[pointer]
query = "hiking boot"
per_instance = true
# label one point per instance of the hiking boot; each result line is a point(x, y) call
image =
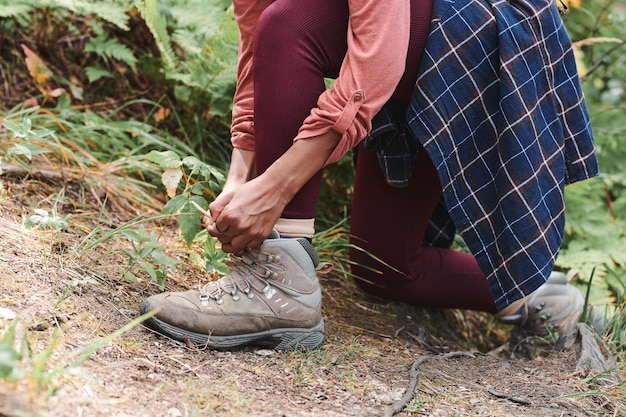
point(556, 307)
point(271, 299)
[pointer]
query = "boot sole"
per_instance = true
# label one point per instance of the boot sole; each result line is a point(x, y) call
point(277, 339)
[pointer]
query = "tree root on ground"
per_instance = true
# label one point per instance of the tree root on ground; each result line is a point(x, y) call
point(592, 352)
point(414, 373)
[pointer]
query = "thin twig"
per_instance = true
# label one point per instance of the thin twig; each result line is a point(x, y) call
point(200, 209)
point(609, 202)
point(423, 342)
point(410, 391)
point(19, 171)
point(188, 342)
point(363, 329)
point(502, 395)
point(414, 373)
point(601, 61)
point(397, 332)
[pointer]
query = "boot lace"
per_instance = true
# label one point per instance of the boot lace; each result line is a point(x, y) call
point(253, 272)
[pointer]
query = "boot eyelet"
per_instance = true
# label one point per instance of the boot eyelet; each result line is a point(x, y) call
point(204, 299)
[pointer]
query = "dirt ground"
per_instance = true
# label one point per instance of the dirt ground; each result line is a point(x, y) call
point(364, 367)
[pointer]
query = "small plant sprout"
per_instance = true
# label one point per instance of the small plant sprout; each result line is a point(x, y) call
point(27, 139)
point(44, 220)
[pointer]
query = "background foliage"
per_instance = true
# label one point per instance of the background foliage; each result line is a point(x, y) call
point(596, 209)
point(97, 86)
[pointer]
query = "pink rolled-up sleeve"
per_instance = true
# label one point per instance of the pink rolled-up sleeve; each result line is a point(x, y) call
point(242, 128)
point(378, 38)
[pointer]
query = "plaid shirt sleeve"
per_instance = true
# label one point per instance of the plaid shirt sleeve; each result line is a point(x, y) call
point(499, 108)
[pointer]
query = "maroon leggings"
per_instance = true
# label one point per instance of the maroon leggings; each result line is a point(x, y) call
point(299, 43)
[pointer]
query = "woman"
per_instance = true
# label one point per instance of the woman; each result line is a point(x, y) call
point(478, 99)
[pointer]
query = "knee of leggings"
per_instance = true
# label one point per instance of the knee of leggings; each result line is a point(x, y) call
point(278, 24)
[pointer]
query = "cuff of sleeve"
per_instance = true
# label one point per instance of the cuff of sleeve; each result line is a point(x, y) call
point(349, 112)
point(242, 142)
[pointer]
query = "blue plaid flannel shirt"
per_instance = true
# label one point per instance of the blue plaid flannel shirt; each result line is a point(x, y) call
point(499, 108)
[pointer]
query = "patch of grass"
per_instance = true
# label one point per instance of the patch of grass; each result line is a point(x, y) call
point(611, 399)
point(21, 364)
point(333, 246)
point(67, 145)
point(616, 330)
point(420, 404)
point(220, 397)
point(334, 363)
point(4, 193)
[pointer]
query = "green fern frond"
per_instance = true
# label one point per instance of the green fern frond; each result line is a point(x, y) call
point(111, 48)
point(202, 17)
point(96, 73)
point(188, 41)
point(114, 12)
point(15, 10)
point(157, 23)
point(205, 36)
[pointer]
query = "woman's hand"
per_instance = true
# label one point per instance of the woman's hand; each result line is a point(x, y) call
point(243, 217)
point(240, 170)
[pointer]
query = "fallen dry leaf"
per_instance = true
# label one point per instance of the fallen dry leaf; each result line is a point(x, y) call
point(36, 67)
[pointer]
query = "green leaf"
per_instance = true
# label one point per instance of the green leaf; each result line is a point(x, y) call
point(113, 13)
point(131, 234)
point(175, 204)
point(27, 149)
point(220, 268)
point(189, 222)
point(205, 170)
point(201, 201)
point(131, 277)
point(24, 130)
point(204, 17)
point(146, 266)
point(18, 130)
point(197, 189)
point(214, 258)
point(165, 262)
point(8, 360)
point(165, 159)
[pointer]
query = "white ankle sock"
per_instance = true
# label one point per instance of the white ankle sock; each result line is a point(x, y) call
point(296, 227)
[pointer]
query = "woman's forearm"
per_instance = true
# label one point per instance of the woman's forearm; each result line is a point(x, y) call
point(241, 167)
point(301, 161)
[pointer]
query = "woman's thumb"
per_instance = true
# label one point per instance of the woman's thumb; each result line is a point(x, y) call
point(217, 206)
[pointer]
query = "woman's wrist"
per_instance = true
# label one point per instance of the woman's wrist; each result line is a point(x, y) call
point(241, 167)
point(281, 185)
